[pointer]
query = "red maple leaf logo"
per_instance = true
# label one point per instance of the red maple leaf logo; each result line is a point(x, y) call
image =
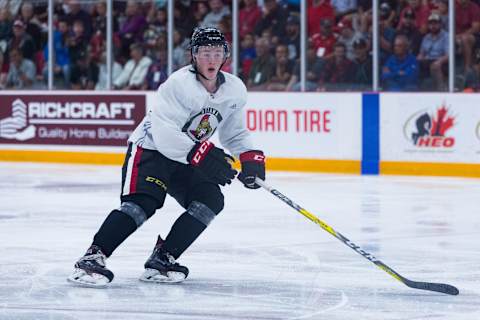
point(441, 123)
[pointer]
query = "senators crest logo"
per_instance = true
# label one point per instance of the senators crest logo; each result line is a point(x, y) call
point(201, 126)
point(204, 128)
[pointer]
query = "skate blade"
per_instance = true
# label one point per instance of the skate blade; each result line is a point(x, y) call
point(83, 279)
point(152, 275)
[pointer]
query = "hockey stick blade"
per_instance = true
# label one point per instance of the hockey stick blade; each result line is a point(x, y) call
point(437, 287)
point(429, 286)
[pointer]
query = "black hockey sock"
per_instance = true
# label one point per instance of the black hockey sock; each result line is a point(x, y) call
point(114, 230)
point(183, 233)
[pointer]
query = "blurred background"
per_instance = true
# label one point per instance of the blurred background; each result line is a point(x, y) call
point(277, 45)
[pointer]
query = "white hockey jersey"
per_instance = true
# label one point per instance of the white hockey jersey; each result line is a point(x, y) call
point(185, 113)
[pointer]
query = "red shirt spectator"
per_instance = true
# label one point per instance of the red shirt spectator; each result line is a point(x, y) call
point(338, 69)
point(422, 12)
point(318, 11)
point(325, 40)
point(248, 17)
point(466, 13)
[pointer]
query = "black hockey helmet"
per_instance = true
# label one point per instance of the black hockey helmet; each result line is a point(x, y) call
point(208, 36)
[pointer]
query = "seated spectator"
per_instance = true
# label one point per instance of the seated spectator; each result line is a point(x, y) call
point(200, 10)
point(262, 67)
point(84, 74)
point(158, 18)
point(98, 45)
point(150, 36)
point(270, 39)
point(22, 40)
point(21, 73)
point(99, 18)
point(347, 36)
point(99, 31)
point(422, 12)
point(440, 7)
point(225, 26)
point(467, 28)
point(400, 72)
point(282, 70)
point(217, 11)
point(3, 70)
point(338, 72)
point(292, 37)
point(433, 56)
point(181, 44)
point(5, 28)
point(157, 72)
point(363, 75)
point(324, 41)
point(131, 31)
point(319, 11)
point(249, 16)
point(273, 18)
point(161, 44)
point(408, 28)
point(386, 31)
point(157, 26)
point(314, 68)
point(61, 65)
point(77, 41)
point(387, 13)
point(32, 25)
point(134, 71)
point(102, 72)
point(247, 55)
point(183, 18)
point(76, 13)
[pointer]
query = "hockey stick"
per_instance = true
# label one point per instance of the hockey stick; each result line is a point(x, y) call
point(438, 287)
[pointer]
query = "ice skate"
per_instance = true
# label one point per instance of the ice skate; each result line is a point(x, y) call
point(161, 267)
point(90, 270)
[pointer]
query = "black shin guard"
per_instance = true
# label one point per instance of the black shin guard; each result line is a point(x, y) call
point(183, 233)
point(114, 230)
point(187, 228)
point(121, 223)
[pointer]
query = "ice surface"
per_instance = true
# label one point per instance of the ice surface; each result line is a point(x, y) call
point(259, 259)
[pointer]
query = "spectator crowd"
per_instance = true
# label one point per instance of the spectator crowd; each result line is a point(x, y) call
point(413, 43)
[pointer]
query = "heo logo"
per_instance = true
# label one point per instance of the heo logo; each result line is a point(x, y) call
point(429, 130)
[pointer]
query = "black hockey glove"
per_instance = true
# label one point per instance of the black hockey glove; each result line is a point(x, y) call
point(213, 162)
point(253, 165)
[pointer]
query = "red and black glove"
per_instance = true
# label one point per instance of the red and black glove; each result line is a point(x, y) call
point(213, 162)
point(253, 165)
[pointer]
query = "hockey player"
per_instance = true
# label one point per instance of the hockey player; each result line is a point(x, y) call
point(170, 153)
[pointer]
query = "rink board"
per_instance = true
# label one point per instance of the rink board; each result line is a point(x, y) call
point(430, 134)
point(370, 133)
point(303, 132)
